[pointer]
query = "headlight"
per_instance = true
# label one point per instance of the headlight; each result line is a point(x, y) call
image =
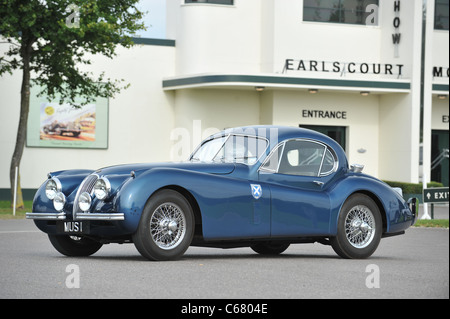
point(84, 202)
point(52, 187)
point(59, 201)
point(102, 188)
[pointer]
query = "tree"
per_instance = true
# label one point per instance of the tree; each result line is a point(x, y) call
point(50, 40)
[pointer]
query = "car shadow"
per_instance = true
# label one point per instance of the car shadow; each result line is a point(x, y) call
point(195, 256)
point(254, 256)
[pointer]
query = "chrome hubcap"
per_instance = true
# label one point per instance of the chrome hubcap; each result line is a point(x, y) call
point(360, 226)
point(168, 226)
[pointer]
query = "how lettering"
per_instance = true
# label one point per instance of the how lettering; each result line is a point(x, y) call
point(396, 36)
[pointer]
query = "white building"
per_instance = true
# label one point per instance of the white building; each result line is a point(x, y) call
point(349, 68)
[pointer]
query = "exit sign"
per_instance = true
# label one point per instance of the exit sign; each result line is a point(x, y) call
point(435, 195)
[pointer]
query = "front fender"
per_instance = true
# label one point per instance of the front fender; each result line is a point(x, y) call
point(134, 194)
point(396, 212)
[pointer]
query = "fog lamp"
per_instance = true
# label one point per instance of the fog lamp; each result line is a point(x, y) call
point(84, 202)
point(59, 201)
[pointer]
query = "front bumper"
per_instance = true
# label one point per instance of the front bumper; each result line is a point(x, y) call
point(78, 216)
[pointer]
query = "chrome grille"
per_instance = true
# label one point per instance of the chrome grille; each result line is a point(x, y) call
point(86, 186)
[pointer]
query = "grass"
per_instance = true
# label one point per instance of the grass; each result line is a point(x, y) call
point(6, 212)
point(436, 223)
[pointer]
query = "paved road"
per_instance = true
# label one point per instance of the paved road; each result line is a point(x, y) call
point(441, 211)
point(415, 265)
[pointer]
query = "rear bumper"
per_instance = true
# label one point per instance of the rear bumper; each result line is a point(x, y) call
point(413, 204)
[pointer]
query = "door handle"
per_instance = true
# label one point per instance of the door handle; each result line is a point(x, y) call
point(319, 183)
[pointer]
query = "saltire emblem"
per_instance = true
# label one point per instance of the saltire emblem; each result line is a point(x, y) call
point(256, 190)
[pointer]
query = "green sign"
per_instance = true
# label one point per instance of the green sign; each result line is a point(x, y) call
point(435, 195)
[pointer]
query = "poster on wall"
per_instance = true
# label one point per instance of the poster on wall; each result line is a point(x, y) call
point(51, 124)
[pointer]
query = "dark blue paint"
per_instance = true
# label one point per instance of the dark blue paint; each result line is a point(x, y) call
point(290, 206)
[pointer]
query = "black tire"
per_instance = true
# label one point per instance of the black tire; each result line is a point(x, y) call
point(166, 227)
point(74, 246)
point(359, 228)
point(270, 248)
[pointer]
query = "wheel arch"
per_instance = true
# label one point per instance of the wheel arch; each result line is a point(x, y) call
point(377, 201)
point(192, 201)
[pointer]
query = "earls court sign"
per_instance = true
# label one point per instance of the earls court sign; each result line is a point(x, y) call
point(343, 67)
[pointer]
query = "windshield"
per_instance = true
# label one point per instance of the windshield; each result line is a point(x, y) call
point(231, 149)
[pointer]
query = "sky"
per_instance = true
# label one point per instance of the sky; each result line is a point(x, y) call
point(155, 19)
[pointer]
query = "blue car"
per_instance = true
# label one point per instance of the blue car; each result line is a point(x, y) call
point(264, 187)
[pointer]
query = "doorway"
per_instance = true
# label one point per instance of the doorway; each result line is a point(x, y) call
point(337, 133)
point(439, 156)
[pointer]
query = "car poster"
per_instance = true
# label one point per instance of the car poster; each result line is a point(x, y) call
point(51, 124)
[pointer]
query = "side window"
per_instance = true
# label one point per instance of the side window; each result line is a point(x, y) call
point(329, 163)
point(271, 165)
point(302, 158)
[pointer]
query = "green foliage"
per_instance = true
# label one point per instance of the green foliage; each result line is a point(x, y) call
point(410, 188)
point(58, 37)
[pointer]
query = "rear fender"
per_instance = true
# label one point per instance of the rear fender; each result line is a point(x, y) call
point(395, 212)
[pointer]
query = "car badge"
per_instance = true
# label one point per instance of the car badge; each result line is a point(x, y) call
point(256, 190)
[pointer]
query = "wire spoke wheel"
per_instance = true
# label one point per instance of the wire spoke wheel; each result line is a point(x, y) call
point(360, 226)
point(168, 226)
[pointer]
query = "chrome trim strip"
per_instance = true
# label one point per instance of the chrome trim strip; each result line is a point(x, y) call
point(46, 216)
point(100, 216)
point(80, 216)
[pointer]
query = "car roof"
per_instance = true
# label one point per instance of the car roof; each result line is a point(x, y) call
point(276, 134)
point(279, 133)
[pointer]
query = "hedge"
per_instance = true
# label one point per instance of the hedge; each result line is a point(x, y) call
point(410, 188)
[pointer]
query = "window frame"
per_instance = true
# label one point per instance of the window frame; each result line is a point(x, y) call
point(339, 9)
point(436, 25)
point(283, 146)
point(210, 2)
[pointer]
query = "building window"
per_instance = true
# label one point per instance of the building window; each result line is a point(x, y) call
point(338, 11)
point(229, 2)
point(441, 15)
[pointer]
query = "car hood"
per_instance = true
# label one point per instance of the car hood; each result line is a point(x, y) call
point(211, 168)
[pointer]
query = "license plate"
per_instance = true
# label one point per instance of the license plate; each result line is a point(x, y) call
point(73, 227)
